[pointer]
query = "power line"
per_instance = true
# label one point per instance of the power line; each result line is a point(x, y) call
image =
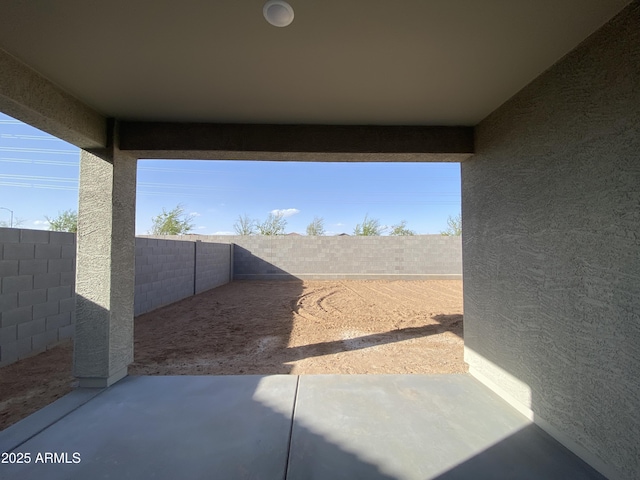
point(321, 201)
point(219, 189)
point(37, 185)
point(37, 177)
point(29, 137)
point(51, 151)
point(38, 162)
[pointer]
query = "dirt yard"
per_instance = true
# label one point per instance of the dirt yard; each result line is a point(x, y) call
point(312, 327)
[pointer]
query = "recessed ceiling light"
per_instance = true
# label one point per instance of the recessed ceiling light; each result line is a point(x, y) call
point(278, 13)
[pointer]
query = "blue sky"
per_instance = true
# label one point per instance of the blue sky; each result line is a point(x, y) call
point(39, 178)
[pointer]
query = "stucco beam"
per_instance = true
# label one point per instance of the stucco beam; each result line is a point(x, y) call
point(31, 98)
point(296, 142)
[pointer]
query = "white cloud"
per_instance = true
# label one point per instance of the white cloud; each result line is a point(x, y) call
point(339, 224)
point(195, 214)
point(286, 212)
point(41, 222)
point(223, 233)
point(201, 227)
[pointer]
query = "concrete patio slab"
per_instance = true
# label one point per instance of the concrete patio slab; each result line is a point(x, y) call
point(418, 427)
point(287, 427)
point(170, 427)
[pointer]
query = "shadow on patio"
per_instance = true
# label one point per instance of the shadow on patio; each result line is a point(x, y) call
point(283, 426)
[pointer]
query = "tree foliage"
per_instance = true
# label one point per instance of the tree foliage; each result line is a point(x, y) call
point(275, 224)
point(244, 225)
point(172, 222)
point(454, 226)
point(316, 228)
point(401, 229)
point(369, 227)
point(66, 221)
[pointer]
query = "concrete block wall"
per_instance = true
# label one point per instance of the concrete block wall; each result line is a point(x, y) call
point(37, 294)
point(164, 272)
point(37, 283)
point(287, 256)
point(214, 265)
point(169, 269)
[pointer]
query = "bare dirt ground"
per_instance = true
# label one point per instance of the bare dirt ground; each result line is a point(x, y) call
point(311, 327)
point(30, 384)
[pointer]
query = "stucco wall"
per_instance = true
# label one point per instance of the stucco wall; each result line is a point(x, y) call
point(551, 248)
point(411, 257)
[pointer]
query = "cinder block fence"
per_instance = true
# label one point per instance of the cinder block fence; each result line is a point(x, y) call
point(37, 290)
point(170, 270)
point(37, 298)
point(282, 257)
point(419, 257)
point(37, 272)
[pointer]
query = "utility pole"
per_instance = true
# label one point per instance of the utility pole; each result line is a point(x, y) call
point(11, 223)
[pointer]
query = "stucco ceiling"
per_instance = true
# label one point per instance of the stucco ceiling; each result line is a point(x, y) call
point(401, 62)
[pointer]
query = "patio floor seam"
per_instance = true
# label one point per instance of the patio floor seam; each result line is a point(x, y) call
point(293, 419)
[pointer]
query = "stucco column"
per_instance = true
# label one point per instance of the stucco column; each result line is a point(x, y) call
point(105, 267)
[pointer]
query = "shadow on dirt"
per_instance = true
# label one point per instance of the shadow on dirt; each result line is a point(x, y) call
point(451, 323)
point(365, 341)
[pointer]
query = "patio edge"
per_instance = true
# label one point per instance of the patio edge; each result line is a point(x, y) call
point(18, 433)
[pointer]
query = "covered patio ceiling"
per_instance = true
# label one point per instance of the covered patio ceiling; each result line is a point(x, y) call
point(360, 62)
